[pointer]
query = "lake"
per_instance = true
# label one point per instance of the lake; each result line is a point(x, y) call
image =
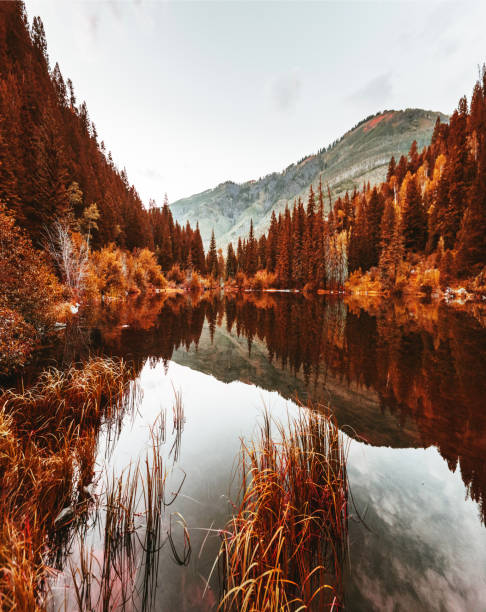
point(406, 382)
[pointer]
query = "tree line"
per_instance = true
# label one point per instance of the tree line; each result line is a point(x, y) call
point(431, 208)
point(53, 165)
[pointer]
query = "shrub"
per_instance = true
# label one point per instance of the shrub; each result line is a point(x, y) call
point(28, 285)
point(195, 284)
point(263, 280)
point(114, 272)
point(17, 338)
point(240, 279)
point(107, 267)
point(354, 279)
point(176, 275)
point(148, 273)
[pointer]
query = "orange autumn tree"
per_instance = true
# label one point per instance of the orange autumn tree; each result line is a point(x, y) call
point(30, 292)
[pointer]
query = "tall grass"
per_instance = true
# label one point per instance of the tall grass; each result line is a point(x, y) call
point(178, 420)
point(48, 438)
point(284, 547)
point(132, 514)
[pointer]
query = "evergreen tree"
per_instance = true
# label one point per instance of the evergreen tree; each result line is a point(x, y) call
point(414, 218)
point(284, 261)
point(472, 237)
point(272, 243)
point(240, 256)
point(392, 247)
point(251, 252)
point(231, 263)
point(391, 169)
point(197, 252)
point(374, 215)
point(212, 258)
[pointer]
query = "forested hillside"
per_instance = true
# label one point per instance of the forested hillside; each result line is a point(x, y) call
point(52, 163)
point(359, 156)
point(72, 228)
point(423, 226)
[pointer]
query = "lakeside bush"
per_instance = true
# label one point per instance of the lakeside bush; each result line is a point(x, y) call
point(263, 280)
point(195, 284)
point(17, 340)
point(27, 283)
point(176, 275)
point(414, 277)
point(113, 272)
point(29, 294)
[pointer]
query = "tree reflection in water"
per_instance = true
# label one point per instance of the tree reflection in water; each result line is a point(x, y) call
point(400, 374)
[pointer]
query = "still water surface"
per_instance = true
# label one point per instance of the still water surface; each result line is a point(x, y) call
point(407, 384)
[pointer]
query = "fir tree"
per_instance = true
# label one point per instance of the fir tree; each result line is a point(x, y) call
point(251, 252)
point(414, 219)
point(212, 258)
point(231, 263)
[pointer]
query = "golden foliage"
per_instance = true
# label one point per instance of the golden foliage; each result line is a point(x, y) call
point(113, 272)
point(29, 292)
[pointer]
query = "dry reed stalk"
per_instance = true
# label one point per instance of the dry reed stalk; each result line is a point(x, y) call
point(284, 548)
point(178, 420)
point(48, 440)
point(132, 516)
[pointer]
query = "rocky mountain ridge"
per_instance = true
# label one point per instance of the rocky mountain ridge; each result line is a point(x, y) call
point(361, 155)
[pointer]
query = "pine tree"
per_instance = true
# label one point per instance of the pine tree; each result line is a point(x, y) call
point(272, 243)
point(472, 236)
point(392, 246)
point(284, 261)
point(197, 252)
point(49, 195)
point(212, 258)
point(391, 169)
point(231, 263)
point(374, 214)
point(251, 252)
point(299, 252)
point(414, 218)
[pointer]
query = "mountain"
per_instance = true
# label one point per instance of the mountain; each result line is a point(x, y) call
point(361, 155)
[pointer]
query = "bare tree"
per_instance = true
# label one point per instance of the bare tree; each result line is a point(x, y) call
point(70, 258)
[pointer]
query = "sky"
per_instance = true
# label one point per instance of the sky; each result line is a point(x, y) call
point(187, 95)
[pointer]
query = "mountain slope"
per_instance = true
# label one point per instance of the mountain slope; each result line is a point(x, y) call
point(361, 155)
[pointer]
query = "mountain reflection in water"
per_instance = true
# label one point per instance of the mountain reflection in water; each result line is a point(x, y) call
point(401, 378)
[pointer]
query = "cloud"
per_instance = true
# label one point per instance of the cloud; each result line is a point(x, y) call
point(286, 90)
point(374, 93)
point(93, 22)
point(152, 174)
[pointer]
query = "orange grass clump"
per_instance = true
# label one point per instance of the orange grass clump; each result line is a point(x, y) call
point(48, 438)
point(284, 548)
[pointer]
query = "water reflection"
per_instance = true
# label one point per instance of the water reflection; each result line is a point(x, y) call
point(409, 498)
point(405, 380)
point(396, 375)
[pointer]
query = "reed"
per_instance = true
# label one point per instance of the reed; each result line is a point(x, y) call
point(132, 516)
point(48, 437)
point(284, 548)
point(178, 420)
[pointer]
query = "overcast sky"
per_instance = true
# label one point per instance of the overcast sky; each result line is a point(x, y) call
point(189, 94)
